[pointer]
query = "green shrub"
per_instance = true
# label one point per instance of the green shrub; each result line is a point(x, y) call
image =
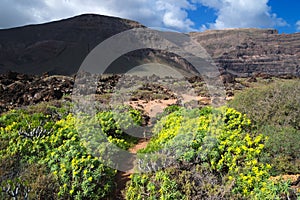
point(168, 110)
point(80, 174)
point(217, 141)
point(32, 181)
point(115, 124)
point(77, 173)
point(282, 149)
point(275, 110)
point(60, 146)
point(274, 104)
point(157, 186)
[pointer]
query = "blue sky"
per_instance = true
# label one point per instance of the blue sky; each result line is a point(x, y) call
point(180, 15)
point(289, 10)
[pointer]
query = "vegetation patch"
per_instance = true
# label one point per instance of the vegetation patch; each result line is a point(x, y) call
point(217, 144)
point(275, 110)
point(48, 148)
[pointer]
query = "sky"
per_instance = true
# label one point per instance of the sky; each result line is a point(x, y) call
point(178, 15)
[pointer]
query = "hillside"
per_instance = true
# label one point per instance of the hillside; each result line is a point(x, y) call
point(250, 51)
point(56, 47)
point(60, 47)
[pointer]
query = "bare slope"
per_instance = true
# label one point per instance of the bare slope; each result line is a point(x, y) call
point(60, 47)
point(56, 47)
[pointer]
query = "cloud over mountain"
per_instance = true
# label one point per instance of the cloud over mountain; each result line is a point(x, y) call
point(242, 13)
point(172, 14)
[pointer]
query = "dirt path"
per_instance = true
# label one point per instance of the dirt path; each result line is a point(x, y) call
point(151, 108)
point(140, 145)
point(123, 177)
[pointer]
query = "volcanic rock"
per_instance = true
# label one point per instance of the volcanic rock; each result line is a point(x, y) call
point(245, 52)
point(56, 47)
point(60, 47)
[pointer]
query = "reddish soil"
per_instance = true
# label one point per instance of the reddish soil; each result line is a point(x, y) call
point(140, 145)
point(123, 177)
point(151, 108)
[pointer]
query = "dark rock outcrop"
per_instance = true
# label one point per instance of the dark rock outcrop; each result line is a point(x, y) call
point(21, 90)
point(18, 90)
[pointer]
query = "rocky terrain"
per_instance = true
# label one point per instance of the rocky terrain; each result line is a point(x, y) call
point(18, 90)
point(60, 48)
point(21, 89)
point(246, 52)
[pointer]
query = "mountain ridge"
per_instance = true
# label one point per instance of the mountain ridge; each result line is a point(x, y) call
point(59, 47)
point(246, 52)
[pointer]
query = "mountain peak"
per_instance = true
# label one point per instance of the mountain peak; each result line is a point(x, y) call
point(57, 47)
point(60, 47)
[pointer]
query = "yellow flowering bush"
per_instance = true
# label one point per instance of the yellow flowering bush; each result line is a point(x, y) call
point(59, 142)
point(219, 141)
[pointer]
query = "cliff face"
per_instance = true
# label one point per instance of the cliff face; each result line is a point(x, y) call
point(60, 47)
point(246, 52)
point(56, 47)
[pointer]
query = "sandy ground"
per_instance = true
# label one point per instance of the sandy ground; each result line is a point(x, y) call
point(152, 108)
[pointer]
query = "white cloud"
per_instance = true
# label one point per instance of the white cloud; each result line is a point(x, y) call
point(175, 13)
point(242, 14)
point(153, 13)
point(298, 25)
point(171, 14)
